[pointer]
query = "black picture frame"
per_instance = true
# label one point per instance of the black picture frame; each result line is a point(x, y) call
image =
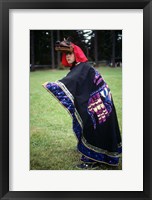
point(5, 5)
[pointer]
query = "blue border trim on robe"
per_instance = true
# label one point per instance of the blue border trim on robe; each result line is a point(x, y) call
point(58, 92)
point(67, 103)
point(99, 157)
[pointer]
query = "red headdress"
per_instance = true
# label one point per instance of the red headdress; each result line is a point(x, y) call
point(79, 55)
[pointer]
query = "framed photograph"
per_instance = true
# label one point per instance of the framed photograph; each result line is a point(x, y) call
point(27, 169)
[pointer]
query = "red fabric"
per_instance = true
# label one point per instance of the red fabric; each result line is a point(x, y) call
point(79, 56)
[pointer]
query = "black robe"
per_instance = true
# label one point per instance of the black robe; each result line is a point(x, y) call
point(87, 98)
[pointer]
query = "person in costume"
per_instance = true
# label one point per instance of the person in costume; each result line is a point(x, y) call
point(88, 99)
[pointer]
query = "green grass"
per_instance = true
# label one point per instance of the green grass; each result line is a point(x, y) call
point(52, 141)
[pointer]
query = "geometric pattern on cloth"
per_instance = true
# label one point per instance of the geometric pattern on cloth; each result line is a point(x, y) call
point(100, 105)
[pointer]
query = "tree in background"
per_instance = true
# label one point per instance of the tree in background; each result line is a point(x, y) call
point(98, 45)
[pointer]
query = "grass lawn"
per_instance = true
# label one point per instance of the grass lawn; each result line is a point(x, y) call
point(52, 141)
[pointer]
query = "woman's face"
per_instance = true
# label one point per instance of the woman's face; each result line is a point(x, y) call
point(70, 57)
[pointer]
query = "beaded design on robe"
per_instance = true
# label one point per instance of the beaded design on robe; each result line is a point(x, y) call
point(100, 103)
point(98, 78)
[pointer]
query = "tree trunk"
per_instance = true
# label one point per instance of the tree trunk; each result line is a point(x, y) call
point(96, 48)
point(52, 49)
point(58, 53)
point(32, 67)
point(113, 48)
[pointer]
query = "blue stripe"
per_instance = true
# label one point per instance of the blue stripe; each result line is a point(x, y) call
point(100, 157)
